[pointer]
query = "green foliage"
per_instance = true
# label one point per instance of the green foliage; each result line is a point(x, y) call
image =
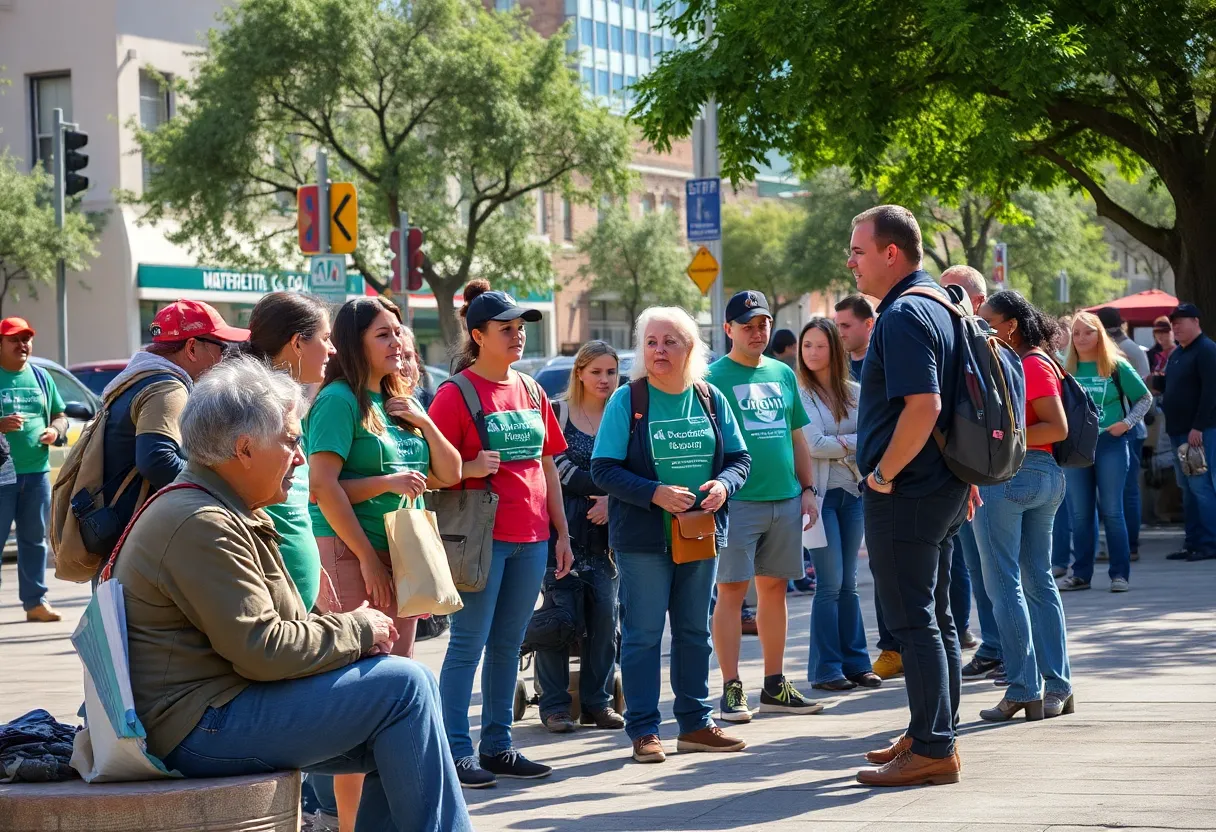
point(639, 261)
point(30, 243)
point(818, 251)
point(439, 107)
point(930, 98)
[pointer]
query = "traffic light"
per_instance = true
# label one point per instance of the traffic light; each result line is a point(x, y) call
point(415, 258)
point(73, 161)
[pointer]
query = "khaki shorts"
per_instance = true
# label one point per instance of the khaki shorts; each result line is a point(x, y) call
point(763, 539)
point(349, 592)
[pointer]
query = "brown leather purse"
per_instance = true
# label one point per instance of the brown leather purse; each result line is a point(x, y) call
point(692, 536)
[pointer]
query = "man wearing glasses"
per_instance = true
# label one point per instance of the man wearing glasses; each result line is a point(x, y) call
point(142, 439)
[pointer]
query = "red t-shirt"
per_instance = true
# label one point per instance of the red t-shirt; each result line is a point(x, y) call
point(1042, 380)
point(521, 434)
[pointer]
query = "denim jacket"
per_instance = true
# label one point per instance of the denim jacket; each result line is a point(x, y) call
point(635, 524)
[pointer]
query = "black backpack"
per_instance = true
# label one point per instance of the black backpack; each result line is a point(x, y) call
point(1076, 450)
point(985, 441)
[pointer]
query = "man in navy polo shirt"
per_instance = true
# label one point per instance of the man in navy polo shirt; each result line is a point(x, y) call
point(913, 504)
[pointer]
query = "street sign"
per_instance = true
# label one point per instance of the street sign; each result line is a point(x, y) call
point(703, 269)
point(344, 219)
point(704, 202)
point(308, 221)
point(327, 277)
point(1000, 264)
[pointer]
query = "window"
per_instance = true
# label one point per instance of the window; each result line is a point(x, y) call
point(153, 109)
point(631, 42)
point(671, 203)
point(46, 94)
point(601, 82)
point(644, 45)
point(602, 209)
point(504, 5)
point(647, 204)
point(616, 38)
point(670, 45)
point(586, 27)
point(629, 4)
point(542, 208)
point(617, 82)
point(644, 5)
point(589, 79)
point(601, 34)
point(567, 220)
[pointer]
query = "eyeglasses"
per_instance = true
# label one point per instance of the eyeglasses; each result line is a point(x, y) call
point(226, 347)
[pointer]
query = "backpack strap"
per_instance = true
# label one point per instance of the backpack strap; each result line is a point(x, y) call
point(706, 398)
point(473, 402)
point(956, 309)
point(1123, 400)
point(639, 402)
point(561, 409)
point(107, 571)
point(533, 389)
point(44, 384)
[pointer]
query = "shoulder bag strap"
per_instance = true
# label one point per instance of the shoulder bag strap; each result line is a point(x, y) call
point(707, 399)
point(639, 402)
point(925, 292)
point(44, 384)
point(561, 409)
point(533, 389)
point(473, 402)
point(177, 486)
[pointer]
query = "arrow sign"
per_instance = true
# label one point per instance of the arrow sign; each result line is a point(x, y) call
point(703, 269)
point(307, 222)
point(344, 223)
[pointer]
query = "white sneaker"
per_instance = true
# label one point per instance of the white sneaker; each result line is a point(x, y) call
point(1119, 585)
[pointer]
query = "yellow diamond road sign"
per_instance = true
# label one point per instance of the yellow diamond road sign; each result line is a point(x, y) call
point(703, 269)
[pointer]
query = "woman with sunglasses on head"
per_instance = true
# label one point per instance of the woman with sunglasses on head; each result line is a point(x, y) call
point(518, 465)
point(1013, 528)
point(839, 659)
point(369, 445)
point(1122, 400)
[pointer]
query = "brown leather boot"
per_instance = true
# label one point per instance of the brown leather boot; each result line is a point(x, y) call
point(44, 613)
point(883, 756)
point(648, 749)
point(910, 769)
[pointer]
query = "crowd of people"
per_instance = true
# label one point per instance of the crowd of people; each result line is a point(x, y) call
point(257, 467)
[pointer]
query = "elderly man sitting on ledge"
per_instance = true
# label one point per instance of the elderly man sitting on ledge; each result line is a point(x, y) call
point(231, 674)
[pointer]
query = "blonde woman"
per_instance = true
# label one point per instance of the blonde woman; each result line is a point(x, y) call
point(589, 592)
point(1122, 399)
point(680, 450)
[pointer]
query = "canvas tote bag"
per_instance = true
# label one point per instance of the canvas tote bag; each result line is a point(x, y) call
point(421, 574)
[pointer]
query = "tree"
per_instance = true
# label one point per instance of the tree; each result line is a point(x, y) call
point(1147, 199)
point(756, 241)
point(938, 96)
point(640, 261)
point(439, 107)
point(818, 251)
point(969, 226)
point(30, 242)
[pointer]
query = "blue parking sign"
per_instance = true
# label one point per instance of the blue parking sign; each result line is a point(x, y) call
point(704, 202)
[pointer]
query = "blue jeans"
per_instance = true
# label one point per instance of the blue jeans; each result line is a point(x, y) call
point(838, 634)
point(1198, 496)
point(1131, 489)
point(654, 589)
point(1013, 531)
point(1104, 481)
point(28, 502)
point(597, 658)
point(990, 633)
point(492, 622)
point(379, 716)
point(960, 590)
point(1061, 534)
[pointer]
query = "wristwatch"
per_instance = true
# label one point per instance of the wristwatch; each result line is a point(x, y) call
point(878, 477)
point(811, 488)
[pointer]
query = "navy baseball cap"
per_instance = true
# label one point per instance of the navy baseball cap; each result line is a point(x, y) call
point(746, 305)
point(1185, 310)
point(497, 306)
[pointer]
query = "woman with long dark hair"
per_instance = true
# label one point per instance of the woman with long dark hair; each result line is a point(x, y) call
point(839, 659)
point(522, 437)
point(593, 584)
point(1013, 528)
point(369, 445)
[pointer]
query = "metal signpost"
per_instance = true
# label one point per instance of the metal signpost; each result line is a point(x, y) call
point(1000, 264)
point(706, 166)
point(317, 228)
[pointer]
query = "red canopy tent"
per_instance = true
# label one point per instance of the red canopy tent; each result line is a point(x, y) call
point(1142, 308)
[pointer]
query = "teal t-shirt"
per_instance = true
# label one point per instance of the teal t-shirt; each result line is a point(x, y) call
point(293, 522)
point(333, 426)
point(681, 436)
point(1104, 392)
point(766, 403)
point(20, 393)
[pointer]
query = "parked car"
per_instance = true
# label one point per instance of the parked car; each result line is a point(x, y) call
point(555, 375)
point(97, 374)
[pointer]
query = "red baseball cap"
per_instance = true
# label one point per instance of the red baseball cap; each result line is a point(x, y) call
point(193, 319)
point(15, 326)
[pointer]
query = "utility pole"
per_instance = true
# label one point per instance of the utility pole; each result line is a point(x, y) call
point(61, 275)
point(706, 164)
point(403, 255)
point(323, 200)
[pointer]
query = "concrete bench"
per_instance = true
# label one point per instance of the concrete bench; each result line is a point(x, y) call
point(263, 803)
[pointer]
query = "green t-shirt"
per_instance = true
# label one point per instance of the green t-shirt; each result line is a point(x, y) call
point(333, 426)
point(1106, 394)
point(293, 522)
point(20, 393)
point(767, 406)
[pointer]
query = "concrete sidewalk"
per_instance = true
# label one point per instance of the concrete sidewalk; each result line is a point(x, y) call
point(1138, 754)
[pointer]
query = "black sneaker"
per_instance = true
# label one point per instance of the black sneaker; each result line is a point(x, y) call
point(1181, 554)
point(979, 666)
point(472, 775)
point(514, 765)
point(733, 707)
point(785, 699)
point(1196, 556)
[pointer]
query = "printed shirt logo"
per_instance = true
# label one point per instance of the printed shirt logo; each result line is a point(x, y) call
point(762, 406)
point(682, 443)
point(516, 434)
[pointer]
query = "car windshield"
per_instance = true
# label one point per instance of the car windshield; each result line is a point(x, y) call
point(70, 389)
point(96, 380)
point(553, 380)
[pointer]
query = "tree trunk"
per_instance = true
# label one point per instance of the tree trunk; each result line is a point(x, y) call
point(450, 328)
point(1195, 270)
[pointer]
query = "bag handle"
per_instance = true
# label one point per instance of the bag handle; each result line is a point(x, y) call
point(956, 309)
point(177, 486)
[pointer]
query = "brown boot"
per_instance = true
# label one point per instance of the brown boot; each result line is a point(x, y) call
point(910, 769)
point(648, 749)
point(883, 756)
point(712, 739)
point(43, 612)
